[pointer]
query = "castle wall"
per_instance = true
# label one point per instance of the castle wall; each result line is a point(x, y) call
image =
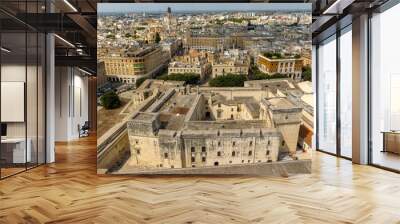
point(198, 111)
point(145, 152)
point(230, 146)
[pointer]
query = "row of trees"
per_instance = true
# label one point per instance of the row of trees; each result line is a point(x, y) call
point(228, 80)
point(189, 78)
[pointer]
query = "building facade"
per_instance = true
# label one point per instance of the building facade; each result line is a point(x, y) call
point(230, 67)
point(131, 65)
point(291, 67)
point(203, 69)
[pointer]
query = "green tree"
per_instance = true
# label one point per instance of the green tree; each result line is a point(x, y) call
point(139, 81)
point(307, 73)
point(158, 38)
point(189, 78)
point(228, 80)
point(260, 76)
point(110, 36)
point(110, 100)
point(273, 55)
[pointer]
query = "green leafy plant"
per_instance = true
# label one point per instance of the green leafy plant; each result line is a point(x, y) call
point(110, 100)
point(157, 38)
point(306, 73)
point(139, 81)
point(189, 78)
point(228, 80)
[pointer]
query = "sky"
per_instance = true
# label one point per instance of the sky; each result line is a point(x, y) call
point(185, 7)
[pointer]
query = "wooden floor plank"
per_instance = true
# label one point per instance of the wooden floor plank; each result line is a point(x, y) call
point(70, 191)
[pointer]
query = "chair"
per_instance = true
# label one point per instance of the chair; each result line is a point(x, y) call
point(84, 130)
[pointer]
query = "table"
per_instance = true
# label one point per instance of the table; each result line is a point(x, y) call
point(391, 141)
point(13, 150)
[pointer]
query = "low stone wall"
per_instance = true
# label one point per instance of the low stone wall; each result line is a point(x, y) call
point(116, 150)
point(282, 168)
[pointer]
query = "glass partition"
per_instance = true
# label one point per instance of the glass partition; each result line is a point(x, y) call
point(346, 92)
point(13, 94)
point(22, 77)
point(385, 89)
point(326, 105)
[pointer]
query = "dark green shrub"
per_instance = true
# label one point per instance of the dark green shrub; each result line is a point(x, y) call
point(139, 81)
point(229, 80)
point(110, 100)
point(189, 78)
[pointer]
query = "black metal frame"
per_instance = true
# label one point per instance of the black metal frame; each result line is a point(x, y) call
point(44, 80)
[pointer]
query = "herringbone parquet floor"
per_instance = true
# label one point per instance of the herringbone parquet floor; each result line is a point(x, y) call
point(69, 191)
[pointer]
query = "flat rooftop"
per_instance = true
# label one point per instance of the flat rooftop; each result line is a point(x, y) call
point(281, 103)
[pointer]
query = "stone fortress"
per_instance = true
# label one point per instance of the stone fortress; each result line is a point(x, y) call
point(180, 126)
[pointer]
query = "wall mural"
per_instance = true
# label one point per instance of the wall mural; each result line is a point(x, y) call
point(204, 88)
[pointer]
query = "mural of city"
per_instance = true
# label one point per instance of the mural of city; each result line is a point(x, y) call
point(204, 88)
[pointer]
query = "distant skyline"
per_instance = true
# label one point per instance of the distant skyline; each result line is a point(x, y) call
point(199, 7)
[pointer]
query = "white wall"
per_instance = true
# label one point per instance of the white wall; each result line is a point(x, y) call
point(71, 102)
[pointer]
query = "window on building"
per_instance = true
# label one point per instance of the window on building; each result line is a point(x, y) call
point(242, 161)
point(166, 155)
point(203, 149)
point(267, 153)
point(233, 143)
point(172, 166)
point(192, 149)
point(161, 165)
point(138, 151)
point(203, 159)
point(193, 159)
point(283, 142)
point(233, 153)
point(218, 153)
point(251, 143)
point(269, 142)
point(250, 153)
point(216, 163)
point(219, 143)
point(248, 161)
